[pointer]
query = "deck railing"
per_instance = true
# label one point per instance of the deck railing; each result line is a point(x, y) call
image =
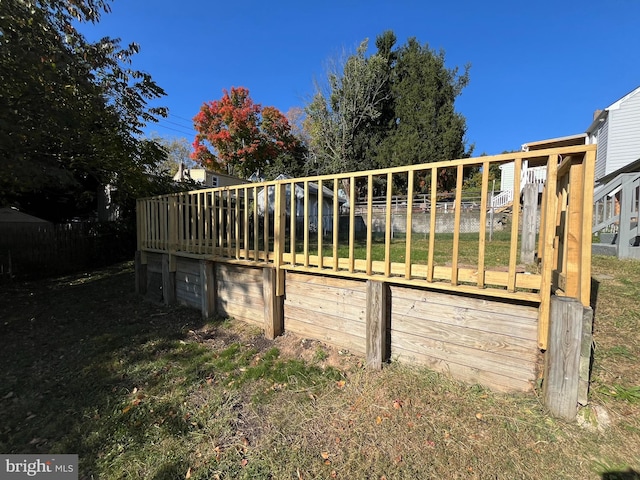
point(315, 230)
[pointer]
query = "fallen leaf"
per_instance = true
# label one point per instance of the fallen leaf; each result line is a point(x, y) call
point(188, 475)
point(244, 462)
point(334, 474)
point(378, 420)
point(8, 396)
point(126, 409)
point(324, 455)
point(397, 404)
point(479, 416)
point(340, 383)
point(327, 462)
point(338, 439)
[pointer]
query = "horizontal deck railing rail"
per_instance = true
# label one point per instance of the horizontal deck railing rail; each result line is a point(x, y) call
point(311, 225)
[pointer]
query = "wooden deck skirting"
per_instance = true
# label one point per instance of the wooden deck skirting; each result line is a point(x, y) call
point(483, 321)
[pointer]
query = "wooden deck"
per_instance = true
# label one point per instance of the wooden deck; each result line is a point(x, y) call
point(483, 319)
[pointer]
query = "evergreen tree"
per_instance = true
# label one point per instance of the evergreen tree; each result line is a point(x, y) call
point(393, 108)
point(426, 127)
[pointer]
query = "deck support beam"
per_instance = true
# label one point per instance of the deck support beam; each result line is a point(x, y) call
point(377, 318)
point(562, 358)
point(273, 303)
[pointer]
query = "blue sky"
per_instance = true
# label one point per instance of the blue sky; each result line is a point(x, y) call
point(539, 68)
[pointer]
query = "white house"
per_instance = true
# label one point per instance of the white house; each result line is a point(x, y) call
point(616, 130)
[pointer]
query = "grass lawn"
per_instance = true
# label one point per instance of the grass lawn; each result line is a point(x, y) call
point(140, 390)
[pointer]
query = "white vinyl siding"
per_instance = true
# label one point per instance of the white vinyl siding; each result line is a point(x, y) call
point(506, 176)
point(602, 141)
point(624, 133)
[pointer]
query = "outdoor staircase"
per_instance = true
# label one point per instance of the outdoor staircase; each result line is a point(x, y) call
point(615, 217)
point(528, 175)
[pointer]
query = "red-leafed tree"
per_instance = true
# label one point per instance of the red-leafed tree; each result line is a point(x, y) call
point(238, 136)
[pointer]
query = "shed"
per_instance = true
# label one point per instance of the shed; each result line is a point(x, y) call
point(10, 216)
point(327, 203)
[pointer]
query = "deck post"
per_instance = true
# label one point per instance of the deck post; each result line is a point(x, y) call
point(273, 303)
point(208, 286)
point(562, 358)
point(141, 273)
point(168, 280)
point(376, 323)
point(626, 209)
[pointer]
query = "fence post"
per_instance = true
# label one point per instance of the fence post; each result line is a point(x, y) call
point(562, 358)
point(376, 323)
point(273, 304)
point(529, 210)
point(548, 230)
point(173, 224)
point(279, 225)
point(575, 257)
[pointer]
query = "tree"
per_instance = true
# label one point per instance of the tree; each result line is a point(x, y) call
point(392, 108)
point(426, 127)
point(71, 111)
point(344, 108)
point(177, 151)
point(240, 137)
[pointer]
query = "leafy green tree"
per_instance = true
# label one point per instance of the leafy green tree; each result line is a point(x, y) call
point(71, 111)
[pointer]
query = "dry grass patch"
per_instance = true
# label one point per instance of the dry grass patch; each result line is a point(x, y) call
point(140, 390)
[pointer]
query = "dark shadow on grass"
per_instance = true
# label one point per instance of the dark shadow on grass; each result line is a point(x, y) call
point(171, 471)
point(593, 301)
point(73, 351)
point(626, 475)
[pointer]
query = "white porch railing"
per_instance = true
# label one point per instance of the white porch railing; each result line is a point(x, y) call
point(528, 175)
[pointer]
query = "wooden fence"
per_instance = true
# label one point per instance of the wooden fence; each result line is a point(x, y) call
point(36, 250)
point(278, 225)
